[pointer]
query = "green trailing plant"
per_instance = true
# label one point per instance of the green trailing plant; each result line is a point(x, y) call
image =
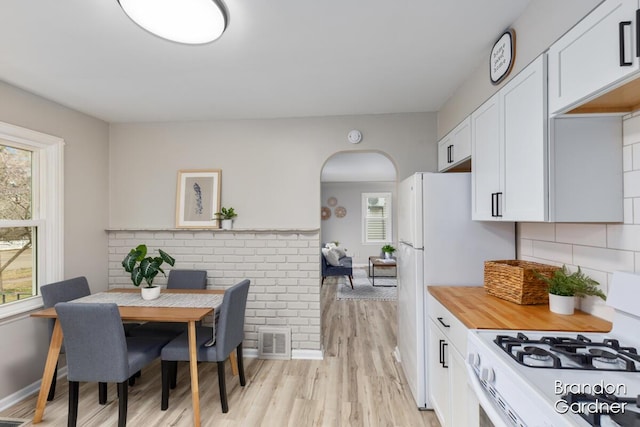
point(226, 213)
point(143, 267)
point(565, 283)
point(388, 249)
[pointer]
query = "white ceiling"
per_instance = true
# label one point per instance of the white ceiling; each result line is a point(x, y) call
point(284, 58)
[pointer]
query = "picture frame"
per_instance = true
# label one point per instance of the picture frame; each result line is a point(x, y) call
point(198, 198)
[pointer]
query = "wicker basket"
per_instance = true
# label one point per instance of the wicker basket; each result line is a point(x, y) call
point(515, 281)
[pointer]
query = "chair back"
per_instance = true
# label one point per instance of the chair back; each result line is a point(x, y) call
point(95, 344)
point(230, 328)
point(63, 291)
point(187, 279)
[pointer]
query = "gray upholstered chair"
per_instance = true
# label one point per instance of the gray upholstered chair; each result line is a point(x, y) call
point(228, 336)
point(63, 291)
point(178, 279)
point(98, 351)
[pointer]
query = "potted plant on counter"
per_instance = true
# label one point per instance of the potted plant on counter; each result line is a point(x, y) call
point(226, 217)
point(388, 251)
point(143, 267)
point(564, 286)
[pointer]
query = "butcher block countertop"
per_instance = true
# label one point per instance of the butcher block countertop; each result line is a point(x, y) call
point(479, 310)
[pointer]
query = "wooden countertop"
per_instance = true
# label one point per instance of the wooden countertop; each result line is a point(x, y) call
point(479, 310)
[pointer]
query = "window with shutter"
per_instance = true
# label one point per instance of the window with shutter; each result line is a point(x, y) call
point(376, 217)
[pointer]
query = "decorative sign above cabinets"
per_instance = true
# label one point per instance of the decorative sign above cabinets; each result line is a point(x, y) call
point(503, 56)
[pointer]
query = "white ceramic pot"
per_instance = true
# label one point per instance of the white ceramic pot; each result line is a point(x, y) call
point(561, 305)
point(227, 224)
point(387, 255)
point(150, 293)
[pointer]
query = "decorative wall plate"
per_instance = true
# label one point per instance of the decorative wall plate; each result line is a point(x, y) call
point(332, 201)
point(325, 213)
point(340, 212)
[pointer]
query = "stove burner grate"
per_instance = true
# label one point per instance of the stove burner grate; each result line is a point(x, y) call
point(628, 418)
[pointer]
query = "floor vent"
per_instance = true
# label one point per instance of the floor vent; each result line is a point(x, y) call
point(274, 343)
point(12, 422)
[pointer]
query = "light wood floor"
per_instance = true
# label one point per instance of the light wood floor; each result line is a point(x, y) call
point(357, 384)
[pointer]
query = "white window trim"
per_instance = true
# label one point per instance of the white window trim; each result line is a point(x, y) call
point(387, 195)
point(50, 194)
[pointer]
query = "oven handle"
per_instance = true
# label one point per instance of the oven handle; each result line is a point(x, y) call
point(480, 392)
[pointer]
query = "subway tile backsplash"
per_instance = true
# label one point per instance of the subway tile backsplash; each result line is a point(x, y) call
point(599, 249)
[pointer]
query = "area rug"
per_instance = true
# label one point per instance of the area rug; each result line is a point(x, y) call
point(363, 290)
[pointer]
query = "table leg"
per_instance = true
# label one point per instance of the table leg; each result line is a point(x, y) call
point(373, 275)
point(193, 365)
point(234, 363)
point(49, 369)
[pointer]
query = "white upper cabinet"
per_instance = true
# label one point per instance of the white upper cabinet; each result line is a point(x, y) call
point(599, 52)
point(509, 150)
point(527, 167)
point(455, 147)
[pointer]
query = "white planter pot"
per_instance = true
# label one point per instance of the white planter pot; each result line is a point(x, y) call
point(388, 255)
point(150, 293)
point(226, 224)
point(561, 305)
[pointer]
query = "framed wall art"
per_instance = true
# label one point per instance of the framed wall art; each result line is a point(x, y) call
point(502, 57)
point(198, 198)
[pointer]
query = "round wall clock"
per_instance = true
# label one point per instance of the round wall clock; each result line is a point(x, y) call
point(340, 212)
point(503, 56)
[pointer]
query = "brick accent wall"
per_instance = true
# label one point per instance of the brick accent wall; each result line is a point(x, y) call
point(283, 267)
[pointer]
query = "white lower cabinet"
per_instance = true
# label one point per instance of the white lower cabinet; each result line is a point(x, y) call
point(448, 387)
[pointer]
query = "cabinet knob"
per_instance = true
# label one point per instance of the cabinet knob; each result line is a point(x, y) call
point(488, 375)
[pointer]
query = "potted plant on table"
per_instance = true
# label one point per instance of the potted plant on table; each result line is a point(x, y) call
point(388, 251)
point(564, 286)
point(143, 267)
point(226, 217)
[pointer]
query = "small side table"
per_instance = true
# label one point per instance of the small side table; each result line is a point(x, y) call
point(378, 262)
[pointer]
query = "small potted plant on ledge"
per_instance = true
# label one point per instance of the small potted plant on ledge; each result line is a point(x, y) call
point(143, 267)
point(565, 286)
point(388, 251)
point(226, 217)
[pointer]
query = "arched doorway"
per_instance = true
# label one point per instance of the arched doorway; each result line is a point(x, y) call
point(350, 182)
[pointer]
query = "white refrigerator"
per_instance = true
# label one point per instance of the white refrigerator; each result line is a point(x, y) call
point(439, 244)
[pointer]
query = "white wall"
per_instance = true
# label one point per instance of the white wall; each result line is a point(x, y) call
point(348, 230)
point(25, 341)
point(270, 168)
point(542, 23)
point(599, 249)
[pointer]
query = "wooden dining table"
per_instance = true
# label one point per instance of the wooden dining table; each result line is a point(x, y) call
point(189, 315)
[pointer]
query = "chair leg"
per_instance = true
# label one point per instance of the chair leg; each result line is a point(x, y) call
point(351, 281)
point(165, 367)
point(132, 380)
point(322, 283)
point(72, 417)
point(123, 389)
point(174, 375)
point(243, 381)
point(223, 387)
point(54, 380)
point(102, 393)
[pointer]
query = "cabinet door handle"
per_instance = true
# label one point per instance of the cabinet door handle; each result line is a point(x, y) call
point(621, 27)
point(443, 346)
point(450, 154)
point(442, 322)
point(638, 33)
point(493, 204)
point(440, 352)
point(498, 211)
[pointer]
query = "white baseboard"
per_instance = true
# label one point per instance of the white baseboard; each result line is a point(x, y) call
point(33, 388)
point(307, 354)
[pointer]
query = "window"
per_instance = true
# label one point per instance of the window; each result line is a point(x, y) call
point(31, 249)
point(376, 217)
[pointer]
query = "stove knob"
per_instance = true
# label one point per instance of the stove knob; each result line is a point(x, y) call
point(488, 375)
point(474, 359)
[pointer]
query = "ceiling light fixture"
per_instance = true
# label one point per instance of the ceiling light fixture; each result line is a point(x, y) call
point(182, 21)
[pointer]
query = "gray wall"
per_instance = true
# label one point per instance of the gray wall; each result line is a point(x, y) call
point(270, 168)
point(24, 343)
point(348, 230)
point(542, 23)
